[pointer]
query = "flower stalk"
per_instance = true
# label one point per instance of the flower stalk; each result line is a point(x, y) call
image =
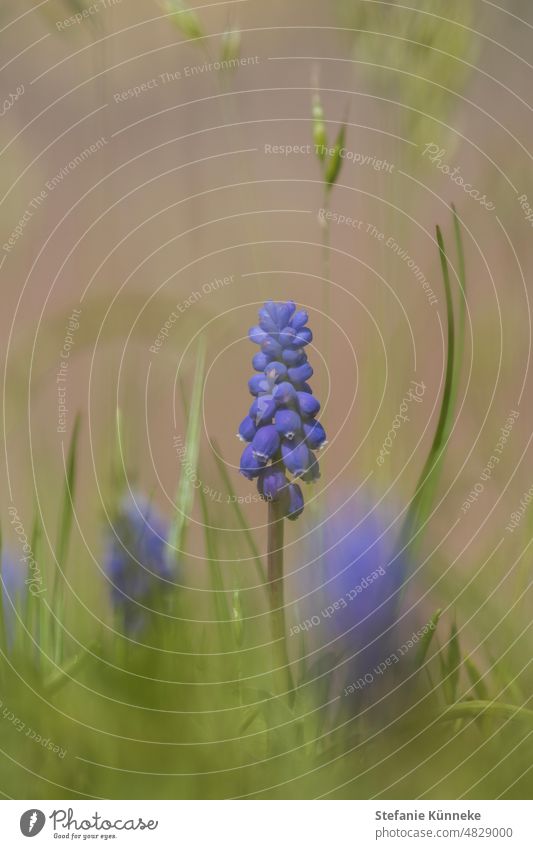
point(275, 590)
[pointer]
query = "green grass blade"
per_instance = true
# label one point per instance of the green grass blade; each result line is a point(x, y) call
point(221, 604)
point(33, 603)
point(59, 678)
point(65, 523)
point(63, 537)
point(498, 710)
point(453, 663)
point(421, 502)
point(118, 461)
point(461, 309)
point(241, 519)
point(426, 640)
point(474, 676)
point(185, 492)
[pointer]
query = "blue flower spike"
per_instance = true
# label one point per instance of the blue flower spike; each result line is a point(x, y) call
point(281, 428)
point(137, 561)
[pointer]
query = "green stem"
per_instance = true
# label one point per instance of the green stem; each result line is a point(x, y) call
point(275, 590)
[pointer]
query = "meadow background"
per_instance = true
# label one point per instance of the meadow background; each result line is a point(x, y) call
point(190, 204)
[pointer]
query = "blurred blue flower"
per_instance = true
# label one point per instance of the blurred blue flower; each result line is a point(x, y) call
point(14, 591)
point(137, 562)
point(357, 593)
point(281, 428)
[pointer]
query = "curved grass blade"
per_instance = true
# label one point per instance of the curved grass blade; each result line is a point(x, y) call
point(421, 502)
point(474, 709)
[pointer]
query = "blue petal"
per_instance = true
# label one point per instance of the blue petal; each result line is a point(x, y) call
point(260, 361)
point(303, 337)
point(271, 347)
point(287, 423)
point(299, 319)
point(284, 312)
point(250, 466)
point(257, 335)
point(286, 336)
point(247, 429)
point(265, 443)
point(309, 406)
point(299, 374)
point(284, 393)
point(297, 458)
point(258, 384)
point(294, 356)
point(296, 502)
point(276, 371)
point(273, 484)
point(266, 407)
point(315, 435)
point(313, 472)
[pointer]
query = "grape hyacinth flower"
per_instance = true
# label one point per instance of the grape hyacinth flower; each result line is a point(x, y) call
point(282, 435)
point(362, 572)
point(137, 561)
point(14, 590)
point(281, 427)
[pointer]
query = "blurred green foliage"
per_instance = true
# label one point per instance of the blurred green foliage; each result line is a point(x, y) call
point(418, 57)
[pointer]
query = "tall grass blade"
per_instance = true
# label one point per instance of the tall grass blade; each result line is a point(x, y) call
point(420, 506)
point(241, 519)
point(476, 680)
point(221, 605)
point(63, 538)
point(497, 710)
point(185, 492)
